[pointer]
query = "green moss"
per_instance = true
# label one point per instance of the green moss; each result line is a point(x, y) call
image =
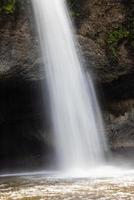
point(12, 6)
point(124, 32)
point(115, 37)
point(7, 6)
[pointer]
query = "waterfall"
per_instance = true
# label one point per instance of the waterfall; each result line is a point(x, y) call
point(76, 119)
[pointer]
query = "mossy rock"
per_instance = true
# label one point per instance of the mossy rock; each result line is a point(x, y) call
point(8, 6)
point(114, 39)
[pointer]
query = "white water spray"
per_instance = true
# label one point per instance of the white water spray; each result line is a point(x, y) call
point(77, 124)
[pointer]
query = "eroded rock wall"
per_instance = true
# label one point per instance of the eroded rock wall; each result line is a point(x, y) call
point(106, 33)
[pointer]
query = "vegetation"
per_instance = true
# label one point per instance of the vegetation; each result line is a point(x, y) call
point(115, 37)
point(124, 32)
point(12, 6)
point(7, 6)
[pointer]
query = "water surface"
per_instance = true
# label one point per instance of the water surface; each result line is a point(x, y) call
point(46, 187)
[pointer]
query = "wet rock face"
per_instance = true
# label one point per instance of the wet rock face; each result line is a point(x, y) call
point(105, 29)
point(101, 17)
point(19, 50)
point(102, 31)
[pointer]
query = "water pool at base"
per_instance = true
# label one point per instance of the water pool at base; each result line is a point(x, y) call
point(107, 184)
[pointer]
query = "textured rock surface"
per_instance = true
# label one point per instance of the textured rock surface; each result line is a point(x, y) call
point(97, 19)
point(19, 52)
point(97, 23)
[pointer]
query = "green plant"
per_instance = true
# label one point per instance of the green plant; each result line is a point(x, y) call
point(115, 37)
point(7, 6)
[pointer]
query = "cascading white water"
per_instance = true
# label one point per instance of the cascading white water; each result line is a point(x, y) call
point(77, 124)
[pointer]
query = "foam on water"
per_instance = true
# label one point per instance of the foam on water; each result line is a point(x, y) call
point(100, 172)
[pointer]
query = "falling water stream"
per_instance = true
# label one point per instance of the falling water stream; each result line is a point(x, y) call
point(76, 119)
